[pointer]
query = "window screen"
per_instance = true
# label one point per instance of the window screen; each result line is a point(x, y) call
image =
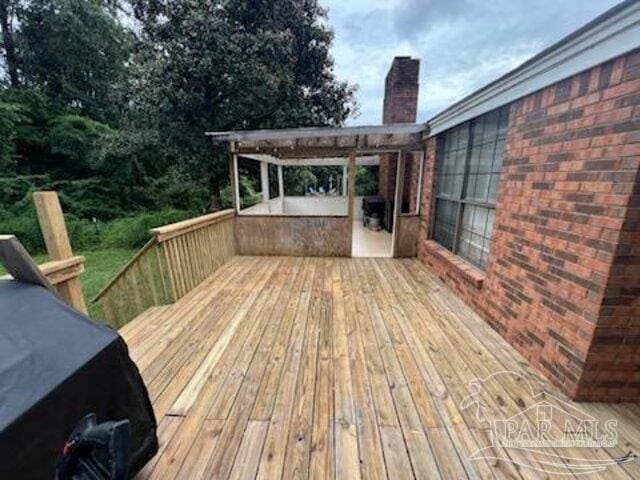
point(469, 162)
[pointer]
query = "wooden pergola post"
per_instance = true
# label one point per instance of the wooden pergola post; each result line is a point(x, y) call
point(281, 187)
point(351, 188)
point(233, 177)
point(264, 180)
point(399, 195)
point(345, 180)
point(56, 238)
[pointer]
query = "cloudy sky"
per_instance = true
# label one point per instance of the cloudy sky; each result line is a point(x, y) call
point(462, 44)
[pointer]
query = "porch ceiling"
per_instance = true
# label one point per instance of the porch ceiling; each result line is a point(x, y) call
point(320, 143)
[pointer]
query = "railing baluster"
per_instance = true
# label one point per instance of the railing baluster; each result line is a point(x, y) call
point(170, 265)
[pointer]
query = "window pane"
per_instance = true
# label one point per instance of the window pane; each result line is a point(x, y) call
point(452, 156)
point(478, 187)
point(491, 121)
point(475, 234)
point(485, 158)
point(469, 169)
point(445, 223)
point(494, 183)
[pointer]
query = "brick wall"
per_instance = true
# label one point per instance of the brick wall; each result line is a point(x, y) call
point(563, 280)
point(401, 91)
point(400, 106)
point(387, 176)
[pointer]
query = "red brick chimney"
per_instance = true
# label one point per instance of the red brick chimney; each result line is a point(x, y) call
point(401, 91)
point(400, 106)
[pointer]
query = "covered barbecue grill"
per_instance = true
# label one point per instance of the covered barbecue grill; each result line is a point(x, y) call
point(57, 367)
point(381, 208)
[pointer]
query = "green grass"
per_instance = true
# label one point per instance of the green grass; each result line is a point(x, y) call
point(100, 267)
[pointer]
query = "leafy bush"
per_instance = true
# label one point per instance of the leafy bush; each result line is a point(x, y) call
point(8, 119)
point(248, 196)
point(175, 190)
point(366, 180)
point(26, 228)
point(133, 232)
point(129, 232)
point(75, 142)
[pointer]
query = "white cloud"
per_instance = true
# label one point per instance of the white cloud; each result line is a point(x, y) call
point(462, 44)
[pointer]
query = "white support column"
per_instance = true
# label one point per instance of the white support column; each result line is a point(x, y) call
point(236, 181)
point(264, 180)
point(233, 177)
point(397, 203)
point(281, 187)
point(345, 180)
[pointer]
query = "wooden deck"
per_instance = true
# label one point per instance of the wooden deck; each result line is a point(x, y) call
point(339, 368)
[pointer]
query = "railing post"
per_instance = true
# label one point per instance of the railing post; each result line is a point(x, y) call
point(56, 238)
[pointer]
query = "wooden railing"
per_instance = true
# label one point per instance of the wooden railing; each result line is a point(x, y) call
point(64, 269)
point(61, 271)
point(55, 275)
point(176, 259)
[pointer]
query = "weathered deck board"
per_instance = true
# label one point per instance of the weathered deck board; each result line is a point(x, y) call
point(336, 368)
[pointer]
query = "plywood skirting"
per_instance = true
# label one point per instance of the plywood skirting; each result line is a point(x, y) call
point(407, 239)
point(293, 236)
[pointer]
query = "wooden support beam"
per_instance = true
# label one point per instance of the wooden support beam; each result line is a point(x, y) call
point(56, 238)
point(345, 180)
point(264, 180)
point(233, 177)
point(281, 187)
point(397, 205)
point(422, 158)
point(351, 184)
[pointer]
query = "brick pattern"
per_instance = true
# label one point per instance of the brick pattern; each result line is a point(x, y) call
point(400, 106)
point(613, 361)
point(411, 183)
point(387, 176)
point(401, 91)
point(563, 280)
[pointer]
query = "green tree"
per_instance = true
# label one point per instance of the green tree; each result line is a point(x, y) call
point(9, 117)
point(77, 52)
point(219, 65)
point(75, 143)
point(8, 10)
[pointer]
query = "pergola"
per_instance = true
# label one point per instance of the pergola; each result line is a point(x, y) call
point(321, 146)
point(325, 146)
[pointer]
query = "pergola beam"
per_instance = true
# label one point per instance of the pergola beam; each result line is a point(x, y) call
point(288, 134)
point(319, 152)
point(319, 143)
point(371, 160)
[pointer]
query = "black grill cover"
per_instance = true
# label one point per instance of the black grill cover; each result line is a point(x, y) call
point(373, 204)
point(56, 366)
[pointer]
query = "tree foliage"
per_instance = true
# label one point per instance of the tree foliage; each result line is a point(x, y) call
point(220, 65)
point(76, 51)
point(112, 97)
